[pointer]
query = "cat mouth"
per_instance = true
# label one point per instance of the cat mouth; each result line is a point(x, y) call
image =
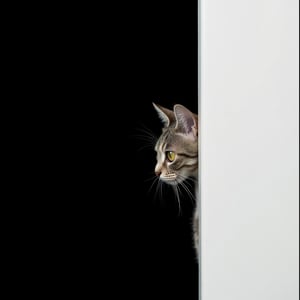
point(169, 178)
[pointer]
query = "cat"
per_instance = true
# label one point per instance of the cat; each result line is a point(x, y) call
point(177, 153)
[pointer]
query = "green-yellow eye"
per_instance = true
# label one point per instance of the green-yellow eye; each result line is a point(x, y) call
point(170, 155)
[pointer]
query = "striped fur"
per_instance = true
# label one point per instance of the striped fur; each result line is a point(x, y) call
point(180, 136)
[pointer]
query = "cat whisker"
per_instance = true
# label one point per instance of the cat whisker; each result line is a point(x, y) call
point(147, 139)
point(176, 190)
point(186, 186)
point(188, 178)
point(146, 134)
point(155, 181)
point(154, 177)
point(160, 190)
point(190, 194)
point(145, 147)
point(145, 129)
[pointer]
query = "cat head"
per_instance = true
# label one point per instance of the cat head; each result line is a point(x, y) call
point(177, 146)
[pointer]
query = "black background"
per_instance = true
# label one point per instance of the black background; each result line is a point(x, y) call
point(109, 231)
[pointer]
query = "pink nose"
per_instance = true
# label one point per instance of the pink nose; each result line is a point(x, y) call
point(157, 173)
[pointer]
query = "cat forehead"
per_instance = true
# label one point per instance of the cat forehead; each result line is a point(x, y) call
point(167, 135)
point(168, 141)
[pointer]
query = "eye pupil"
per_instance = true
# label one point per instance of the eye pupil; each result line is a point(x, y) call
point(170, 156)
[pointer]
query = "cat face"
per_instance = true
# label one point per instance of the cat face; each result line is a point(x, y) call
point(177, 146)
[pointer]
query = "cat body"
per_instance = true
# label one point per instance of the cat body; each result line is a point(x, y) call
point(177, 152)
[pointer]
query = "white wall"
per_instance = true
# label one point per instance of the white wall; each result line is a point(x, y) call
point(249, 101)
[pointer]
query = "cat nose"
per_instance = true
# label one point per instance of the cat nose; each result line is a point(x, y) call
point(157, 173)
point(157, 170)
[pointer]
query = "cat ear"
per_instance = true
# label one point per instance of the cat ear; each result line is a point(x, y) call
point(186, 121)
point(166, 115)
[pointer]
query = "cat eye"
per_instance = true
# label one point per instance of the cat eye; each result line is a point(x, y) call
point(170, 156)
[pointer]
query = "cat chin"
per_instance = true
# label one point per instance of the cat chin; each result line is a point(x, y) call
point(171, 181)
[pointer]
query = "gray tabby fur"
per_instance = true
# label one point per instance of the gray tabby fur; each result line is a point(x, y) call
point(179, 135)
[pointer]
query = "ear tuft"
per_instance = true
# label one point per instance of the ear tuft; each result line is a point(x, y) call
point(166, 115)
